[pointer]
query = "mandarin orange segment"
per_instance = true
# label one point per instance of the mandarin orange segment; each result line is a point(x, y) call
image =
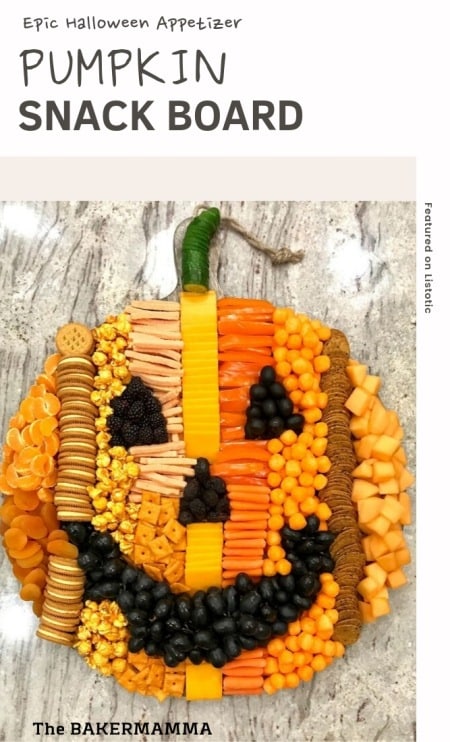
point(51, 363)
point(50, 481)
point(17, 421)
point(32, 525)
point(11, 476)
point(37, 390)
point(5, 488)
point(14, 439)
point(44, 494)
point(26, 500)
point(26, 435)
point(52, 404)
point(51, 444)
point(24, 458)
point(28, 482)
point(47, 426)
point(15, 538)
point(36, 433)
point(27, 409)
point(61, 548)
point(47, 381)
point(42, 465)
point(39, 408)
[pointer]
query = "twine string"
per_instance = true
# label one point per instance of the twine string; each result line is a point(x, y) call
point(282, 256)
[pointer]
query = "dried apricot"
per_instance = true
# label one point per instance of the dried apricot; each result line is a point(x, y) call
point(15, 539)
point(57, 535)
point(44, 494)
point(61, 548)
point(9, 511)
point(30, 592)
point(49, 516)
point(20, 572)
point(29, 550)
point(32, 525)
point(26, 500)
point(37, 577)
point(32, 561)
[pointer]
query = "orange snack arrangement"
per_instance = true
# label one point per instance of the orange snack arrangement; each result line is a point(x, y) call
point(208, 567)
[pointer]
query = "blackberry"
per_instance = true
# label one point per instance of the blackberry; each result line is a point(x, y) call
point(210, 498)
point(198, 508)
point(152, 404)
point(120, 405)
point(114, 423)
point(136, 410)
point(117, 440)
point(146, 436)
point(160, 435)
point(135, 388)
point(130, 433)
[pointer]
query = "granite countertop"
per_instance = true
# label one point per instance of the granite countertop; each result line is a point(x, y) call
point(85, 260)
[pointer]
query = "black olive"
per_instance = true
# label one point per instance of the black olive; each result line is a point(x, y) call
point(306, 546)
point(295, 423)
point(94, 593)
point(265, 589)
point(327, 564)
point(157, 630)
point(325, 538)
point(137, 617)
point(184, 608)
point(113, 553)
point(96, 575)
point(182, 641)
point(199, 598)
point(243, 583)
point(135, 644)
point(258, 392)
point(101, 543)
point(163, 608)
point(160, 590)
point(214, 601)
point(277, 390)
point(302, 603)
point(173, 623)
point(77, 532)
point(254, 412)
point(269, 408)
point(268, 612)
point(224, 625)
point(306, 584)
point(250, 602)
point(281, 597)
point(314, 563)
point(263, 631)
point(267, 375)
point(110, 589)
point(185, 517)
point(143, 582)
point(255, 428)
point(279, 627)
point(139, 630)
point(217, 657)
point(298, 568)
point(248, 642)
point(288, 612)
point(312, 524)
point(200, 617)
point(113, 567)
point(151, 649)
point(196, 656)
point(247, 624)
point(129, 575)
point(143, 601)
point(88, 560)
point(205, 639)
point(231, 647)
point(125, 600)
point(171, 656)
point(287, 582)
point(230, 596)
point(285, 407)
point(291, 534)
point(275, 426)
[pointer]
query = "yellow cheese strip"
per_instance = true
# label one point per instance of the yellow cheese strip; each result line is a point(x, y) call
point(203, 682)
point(201, 416)
point(203, 565)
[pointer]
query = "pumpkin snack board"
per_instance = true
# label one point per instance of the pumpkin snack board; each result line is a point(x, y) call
point(206, 496)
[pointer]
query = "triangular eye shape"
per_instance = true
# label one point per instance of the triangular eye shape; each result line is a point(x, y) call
point(205, 497)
